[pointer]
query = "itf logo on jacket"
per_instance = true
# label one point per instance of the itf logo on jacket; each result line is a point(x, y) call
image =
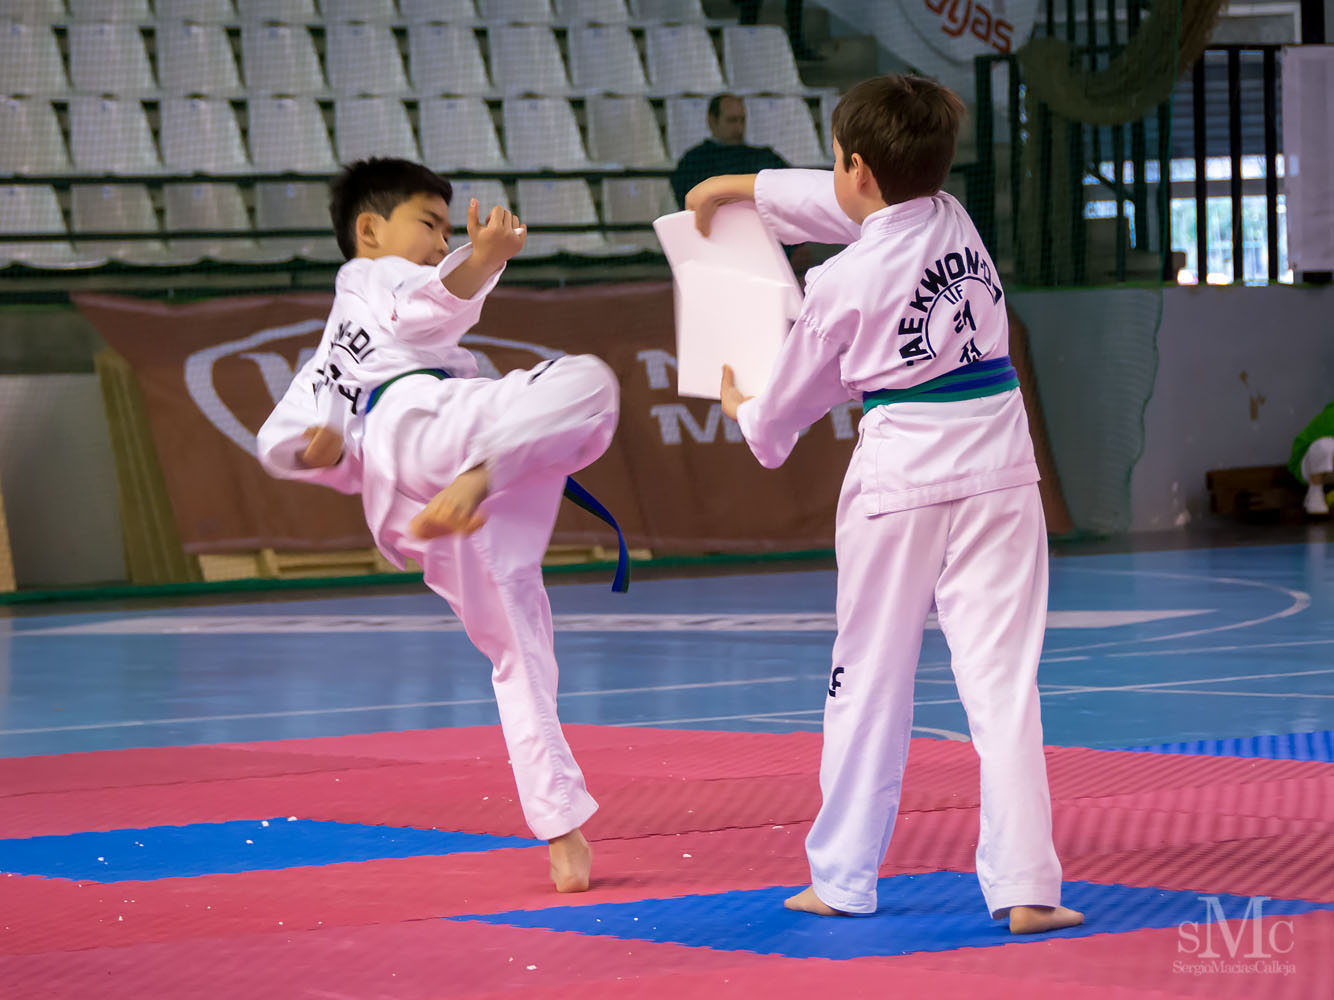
point(956, 294)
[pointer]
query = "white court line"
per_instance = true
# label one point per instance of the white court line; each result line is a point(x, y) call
point(1300, 602)
point(1224, 649)
point(1157, 685)
point(183, 720)
point(1244, 694)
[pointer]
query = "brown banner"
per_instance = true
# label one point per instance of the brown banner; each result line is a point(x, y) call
point(678, 476)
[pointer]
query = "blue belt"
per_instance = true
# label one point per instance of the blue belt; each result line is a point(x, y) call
point(575, 493)
point(981, 378)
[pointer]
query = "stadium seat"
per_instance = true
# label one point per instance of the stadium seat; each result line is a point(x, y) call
point(592, 11)
point(445, 59)
point(668, 11)
point(604, 59)
point(488, 195)
point(364, 59)
point(624, 131)
point(515, 11)
point(526, 60)
point(370, 11)
point(458, 134)
point(681, 60)
point(288, 133)
point(427, 11)
point(282, 205)
point(32, 209)
point(280, 59)
point(559, 203)
point(759, 60)
point(199, 11)
point(120, 208)
point(30, 60)
point(541, 133)
point(34, 11)
point(687, 124)
point(215, 207)
point(283, 11)
point(30, 139)
point(637, 200)
point(110, 10)
point(785, 123)
point(827, 104)
point(110, 135)
point(109, 59)
point(201, 135)
point(373, 126)
point(196, 59)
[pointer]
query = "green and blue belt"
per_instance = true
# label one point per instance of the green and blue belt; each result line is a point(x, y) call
point(981, 378)
point(574, 493)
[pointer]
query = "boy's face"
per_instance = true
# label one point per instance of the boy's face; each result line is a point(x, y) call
point(416, 230)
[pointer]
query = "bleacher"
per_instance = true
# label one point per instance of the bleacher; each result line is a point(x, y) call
point(185, 131)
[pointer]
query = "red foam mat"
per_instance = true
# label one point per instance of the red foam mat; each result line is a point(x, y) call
point(738, 804)
point(158, 766)
point(466, 961)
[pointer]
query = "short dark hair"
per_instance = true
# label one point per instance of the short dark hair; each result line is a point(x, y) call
point(716, 103)
point(379, 185)
point(904, 128)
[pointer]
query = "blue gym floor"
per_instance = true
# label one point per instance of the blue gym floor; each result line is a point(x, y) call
point(1142, 649)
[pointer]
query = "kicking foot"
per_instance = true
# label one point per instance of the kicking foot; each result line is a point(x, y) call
point(1037, 919)
point(571, 862)
point(454, 509)
point(807, 901)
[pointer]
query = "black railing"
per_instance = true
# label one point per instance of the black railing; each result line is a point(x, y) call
point(1127, 147)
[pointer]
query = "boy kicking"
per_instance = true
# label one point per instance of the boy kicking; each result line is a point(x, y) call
point(940, 502)
point(460, 473)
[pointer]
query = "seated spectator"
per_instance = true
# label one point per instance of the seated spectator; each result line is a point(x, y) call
point(725, 152)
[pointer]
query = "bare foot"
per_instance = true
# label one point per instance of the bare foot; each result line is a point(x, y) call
point(454, 509)
point(1037, 919)
point(571, 862)
point(807, 901)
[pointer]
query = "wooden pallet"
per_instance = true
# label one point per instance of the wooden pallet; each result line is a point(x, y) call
point(1256, 493)
point(152, 543)
point(7, 583)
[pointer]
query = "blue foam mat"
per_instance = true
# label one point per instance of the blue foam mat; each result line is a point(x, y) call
point(937, 911)
point(1313, 746)
point(222, 848)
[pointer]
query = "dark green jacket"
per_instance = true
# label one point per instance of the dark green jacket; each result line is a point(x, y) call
point(709, 159)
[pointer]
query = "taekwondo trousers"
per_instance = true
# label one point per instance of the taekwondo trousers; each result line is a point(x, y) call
point(983, 560)
point(531, 429)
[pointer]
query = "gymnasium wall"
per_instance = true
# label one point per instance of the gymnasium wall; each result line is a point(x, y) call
point(1237, 372)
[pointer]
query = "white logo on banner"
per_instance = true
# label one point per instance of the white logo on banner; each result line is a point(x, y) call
point(273, 368)
point(941, 37)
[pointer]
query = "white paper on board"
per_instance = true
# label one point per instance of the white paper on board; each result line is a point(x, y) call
point(736, 296)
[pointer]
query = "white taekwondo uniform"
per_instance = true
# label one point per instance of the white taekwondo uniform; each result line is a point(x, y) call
point(939, 505)
point(531, 428)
